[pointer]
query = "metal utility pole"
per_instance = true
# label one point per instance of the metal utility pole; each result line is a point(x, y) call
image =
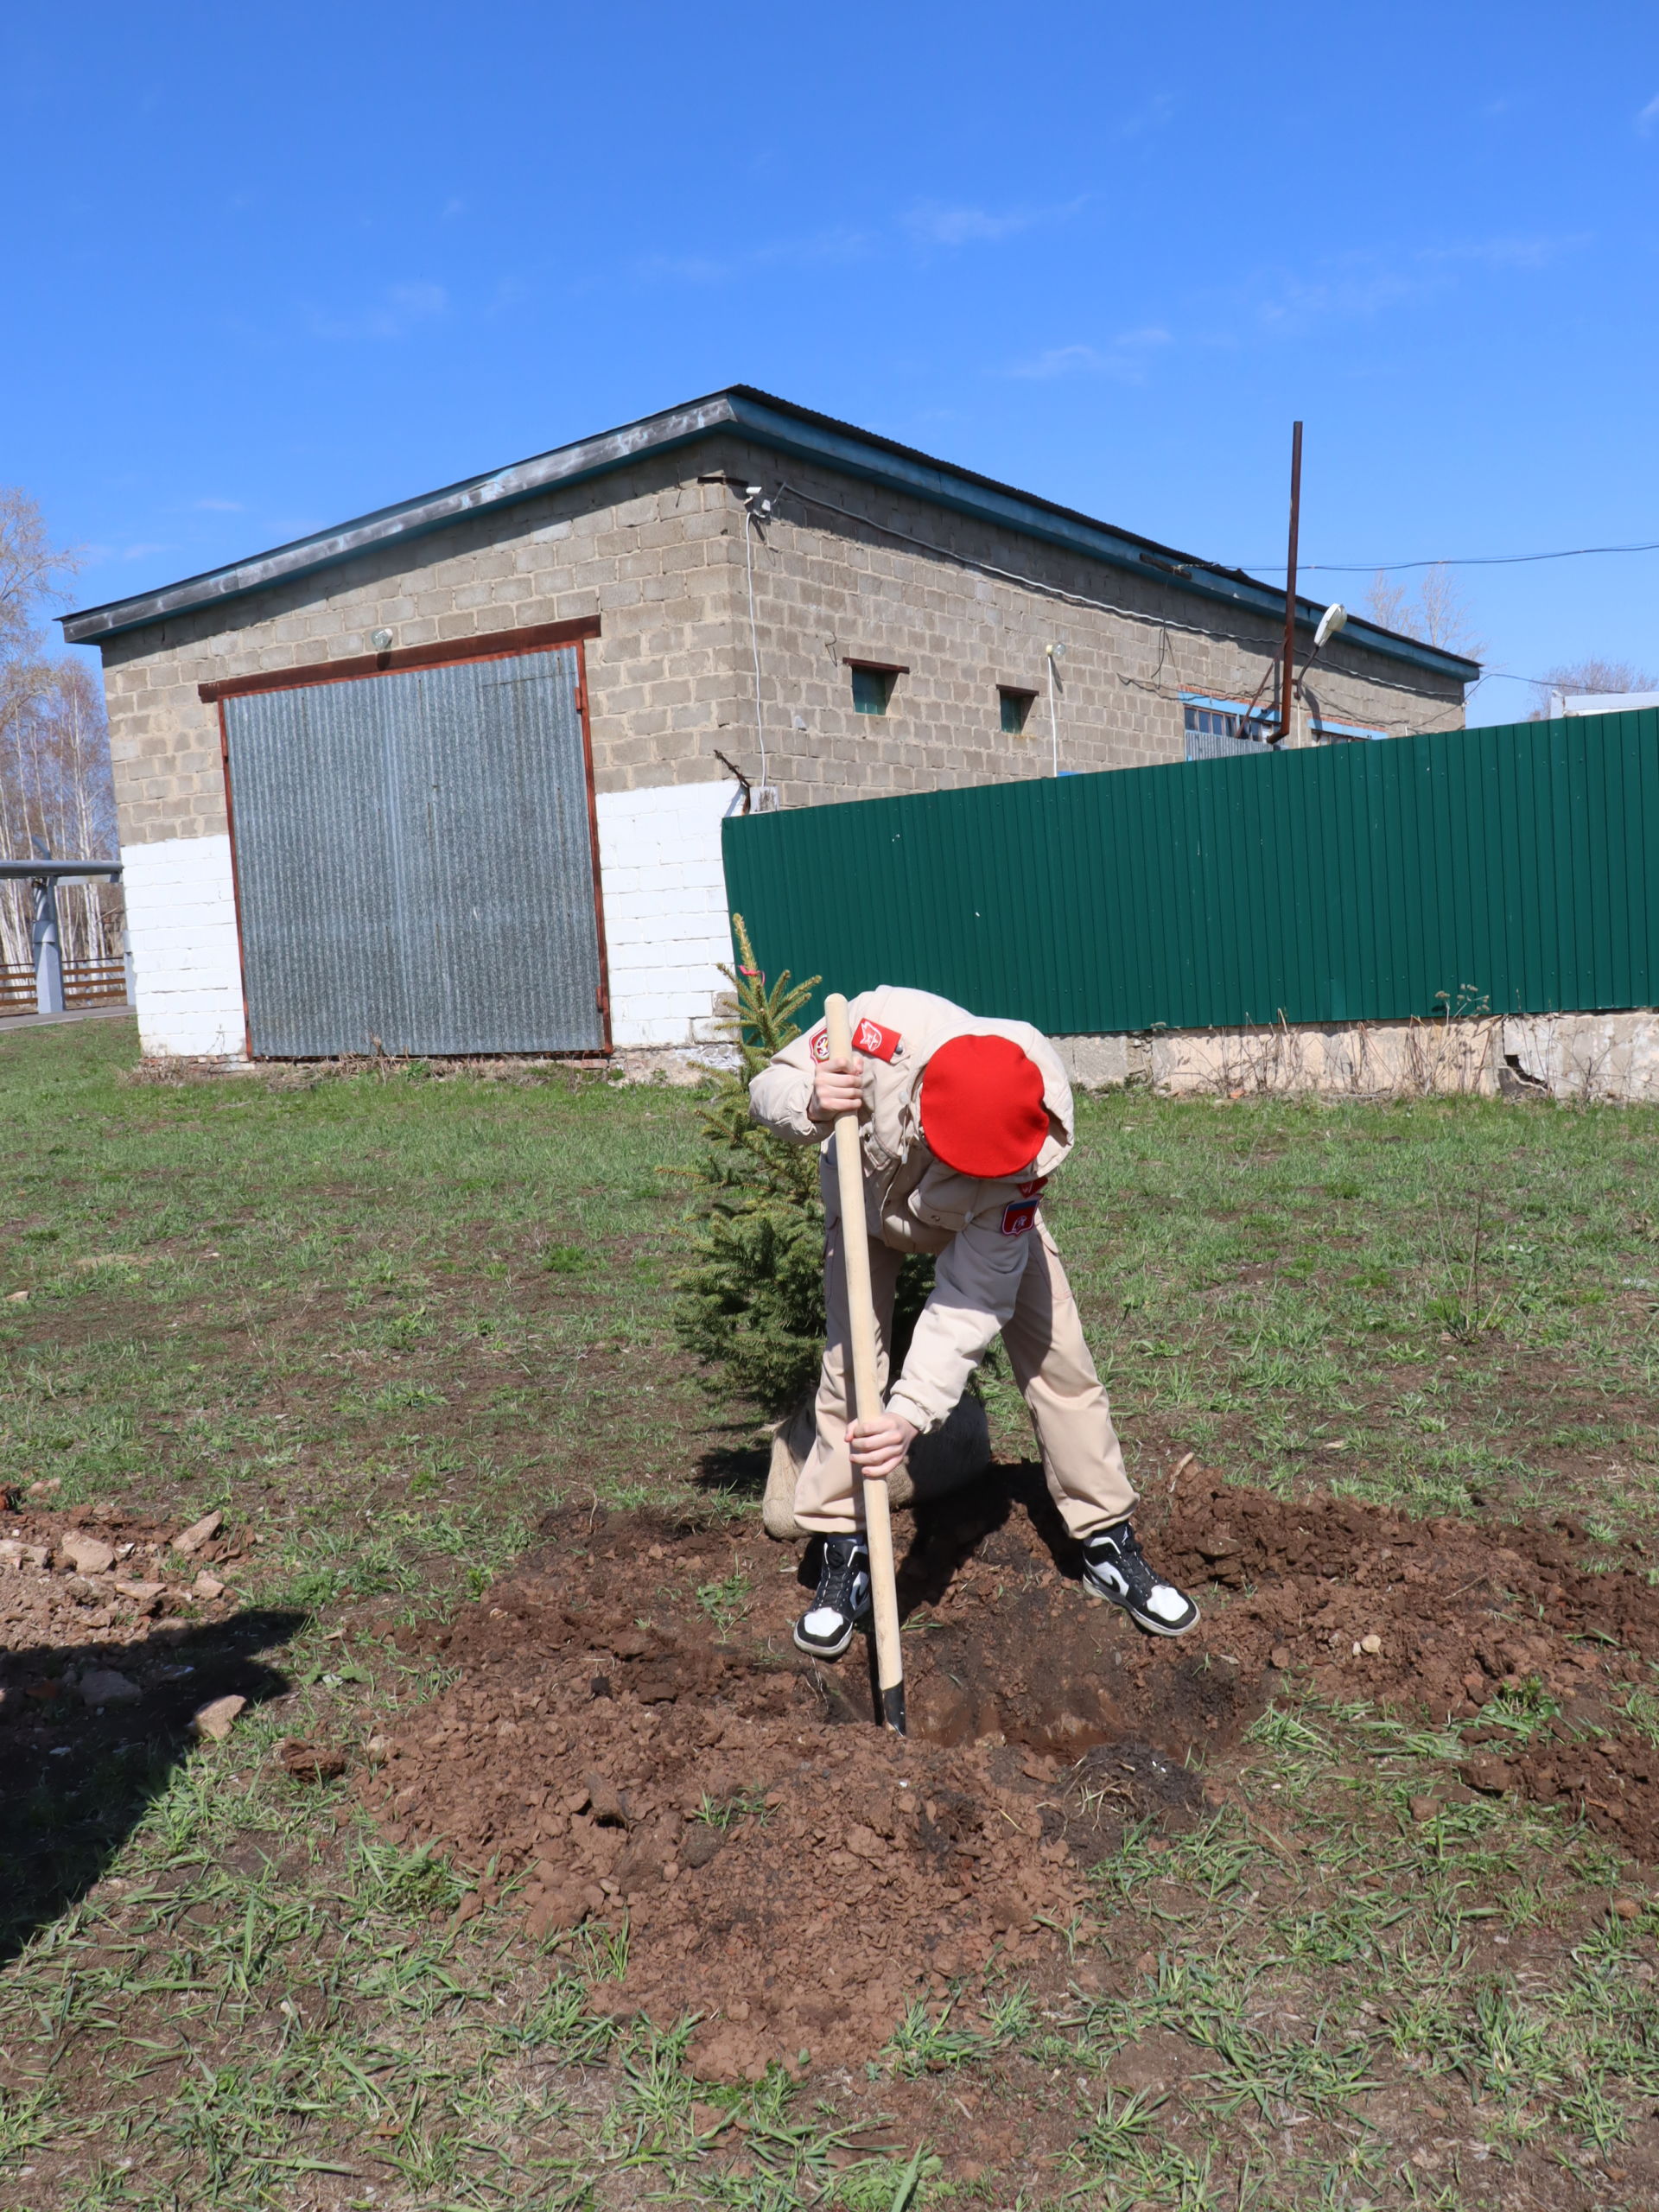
point(1287, 672)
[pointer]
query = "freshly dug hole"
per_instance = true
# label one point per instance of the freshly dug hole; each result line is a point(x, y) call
point(621, 1744)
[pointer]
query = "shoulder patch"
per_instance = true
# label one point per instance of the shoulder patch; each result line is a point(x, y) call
point(818, 1043)
point(1017, 1219)
point(1030, 1190)
point(875, 1042)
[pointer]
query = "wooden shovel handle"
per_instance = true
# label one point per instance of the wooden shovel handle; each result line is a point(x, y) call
point(866, 1395)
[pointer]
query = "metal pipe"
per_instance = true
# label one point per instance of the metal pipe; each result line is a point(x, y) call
point(1286, 674)
point(754, 631)
point(56, 871)
point(47, 949)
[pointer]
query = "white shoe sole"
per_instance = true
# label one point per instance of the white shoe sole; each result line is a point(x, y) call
point(825, 1650)
point(1140, 1620)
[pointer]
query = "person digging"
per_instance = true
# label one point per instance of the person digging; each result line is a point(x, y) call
point(963, 1122)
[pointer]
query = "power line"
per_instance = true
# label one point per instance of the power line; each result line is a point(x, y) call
point(1468, 561)
point(1057, 591)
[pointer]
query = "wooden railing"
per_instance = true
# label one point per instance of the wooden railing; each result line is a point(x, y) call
point(86, 982)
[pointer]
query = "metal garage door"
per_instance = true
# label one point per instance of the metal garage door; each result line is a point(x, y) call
point(414, 862)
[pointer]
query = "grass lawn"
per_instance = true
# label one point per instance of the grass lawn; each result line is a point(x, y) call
point(385, 1322)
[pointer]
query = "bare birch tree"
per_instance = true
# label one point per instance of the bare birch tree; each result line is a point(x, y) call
point(1437, 614)
point(56, 794)
point(1592, 674)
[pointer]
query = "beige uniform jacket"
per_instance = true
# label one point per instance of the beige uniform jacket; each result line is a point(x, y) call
point(980, 1231)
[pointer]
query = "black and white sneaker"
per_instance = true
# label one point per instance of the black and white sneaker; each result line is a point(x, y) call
point(1115, 1566)
point(844, 1600)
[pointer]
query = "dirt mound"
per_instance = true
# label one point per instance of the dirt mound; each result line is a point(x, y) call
point(1460, 1610)
point(632, 1728)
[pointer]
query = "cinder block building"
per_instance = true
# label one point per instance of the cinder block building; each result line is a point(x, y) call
point(450, 778)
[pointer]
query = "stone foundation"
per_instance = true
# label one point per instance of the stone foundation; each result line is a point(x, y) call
point(1587, 1057)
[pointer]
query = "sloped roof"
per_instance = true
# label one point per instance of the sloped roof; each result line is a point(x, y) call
point(795, 432)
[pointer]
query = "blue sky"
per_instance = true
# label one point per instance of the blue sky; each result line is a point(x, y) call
point(268, 267)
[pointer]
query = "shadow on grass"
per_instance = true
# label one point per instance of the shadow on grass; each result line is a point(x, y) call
point(734, 1470)
point(77, 1781)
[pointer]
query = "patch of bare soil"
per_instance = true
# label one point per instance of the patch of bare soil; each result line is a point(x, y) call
point(791, 1872)
point(99, 1576)
point(1437, 1618)
point(124, 1644)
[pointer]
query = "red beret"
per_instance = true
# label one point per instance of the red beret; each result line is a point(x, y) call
point(982, 1110)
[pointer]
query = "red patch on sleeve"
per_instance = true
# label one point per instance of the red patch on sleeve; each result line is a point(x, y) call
point(1017, 1219)
point(818, 1044)
point(1030, 1190)
point(875, 1042)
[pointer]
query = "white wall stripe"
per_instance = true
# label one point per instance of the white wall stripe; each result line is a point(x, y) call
point(182, 926)
point(666, 931)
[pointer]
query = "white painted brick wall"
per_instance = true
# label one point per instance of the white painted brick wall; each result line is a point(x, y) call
point(666, 931)
point(182, 926)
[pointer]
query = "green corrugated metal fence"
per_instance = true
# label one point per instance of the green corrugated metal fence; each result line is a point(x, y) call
point(1516, 869)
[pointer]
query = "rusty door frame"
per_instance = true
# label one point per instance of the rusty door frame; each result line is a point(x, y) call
point(496, 645)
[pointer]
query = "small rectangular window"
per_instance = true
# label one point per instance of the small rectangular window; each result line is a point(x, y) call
point(1217, 731)
point(872, 687)
point(1015, 706)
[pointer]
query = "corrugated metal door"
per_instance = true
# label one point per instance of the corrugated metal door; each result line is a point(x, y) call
point(414, 862)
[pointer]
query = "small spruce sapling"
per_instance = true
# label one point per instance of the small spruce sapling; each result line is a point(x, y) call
point(751, 1304)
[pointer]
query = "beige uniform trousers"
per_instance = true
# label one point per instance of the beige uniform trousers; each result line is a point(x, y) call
point(1081, 1458)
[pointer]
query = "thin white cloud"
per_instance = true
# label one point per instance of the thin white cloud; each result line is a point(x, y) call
point(510, 292)
point(1059, 362)
point(687, 268)
point(931, 225)
point(1124, 358)
point(217, 506)
point(398, 311)
point(814, 250)
point(1359, 286)
point(936, 223)
point(836, 244)
point(143, 551)
point(1538, 251)
point(1156, 112)
point(928, 224)
point(418, 299)
point(1346, 295)
point(1649, 115)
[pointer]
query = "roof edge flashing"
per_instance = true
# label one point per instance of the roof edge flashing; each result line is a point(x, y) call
point(301, 556)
